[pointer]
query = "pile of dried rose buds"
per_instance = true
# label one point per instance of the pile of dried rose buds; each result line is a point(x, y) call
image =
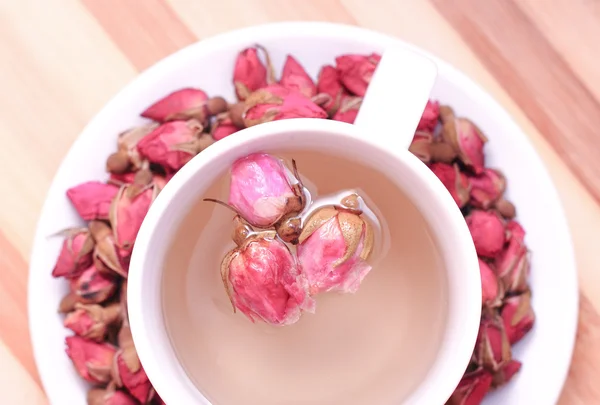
point(94, 259)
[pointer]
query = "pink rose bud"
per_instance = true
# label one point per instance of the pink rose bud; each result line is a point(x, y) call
point(514, 230)
point(348, 110)
point(223, 127)
point(100, 396)
point(513, 263)
point(492, 350)
point(518, 316)
point(491, 289)
point(75, 255)
point(92, 360)
point(472, 388)
point(93, 287)
point(329, 83)
point(92, 199)
point(262, 279)
point(487, 188)
point(92, 321)
point(120, 179)
point(487, 231)
point(421, 146)
point(249, 73)
point(466, 139)
point(134, 380)
point(183, 104)
point(455, 181)
point(430, 116)
point(506, 373)
point(333, 250)
point(261, 190)
point(356, 71)
point(295, 78)
point(106, 253)
point(172, 145)
point(127, 214)
point(275, 102)
point(127, 157)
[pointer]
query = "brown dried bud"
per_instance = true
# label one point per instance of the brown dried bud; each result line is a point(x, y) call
point(106, 253)
point(442, 152)
point(421, 145)
point(505, 208)
point(236, 113)
point(216, 105)
point(118, 162)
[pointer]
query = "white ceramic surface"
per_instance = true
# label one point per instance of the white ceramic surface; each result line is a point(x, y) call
point(314, 44)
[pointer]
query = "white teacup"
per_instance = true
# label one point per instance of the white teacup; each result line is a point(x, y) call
point(368, 142)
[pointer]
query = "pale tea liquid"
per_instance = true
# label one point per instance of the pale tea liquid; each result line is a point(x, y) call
point(373, 347)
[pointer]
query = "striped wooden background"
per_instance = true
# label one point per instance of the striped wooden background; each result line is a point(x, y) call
point(63, 59)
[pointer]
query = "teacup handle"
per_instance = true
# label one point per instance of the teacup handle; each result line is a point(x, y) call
point(396, 97)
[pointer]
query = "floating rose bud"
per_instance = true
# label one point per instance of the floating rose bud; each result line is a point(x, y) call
point(223, 127)
point(262, 279)
point(127, 214)
point(512, 263)
point(172, 145)
point(261, 191)
point(92, 321)
point(348, 110)
point(75, 255)
point(487, 188)
point(185, 104)
point(487, 231)
point(92, 360)
point(127, 146)
point(506, 373)
point(275, 102)
point(518, 316)
point(355, 71)
point(472, 388)
point(92, 199)
point(295, 78)
point(333, 250)
point(329, 83)
point(491, 289)
point(492, 350)
point(100, 396)
point(421, 146)
point(249, 73)
point(455, 181)
point(93, 287)
point(465, 137)
point(430, 116)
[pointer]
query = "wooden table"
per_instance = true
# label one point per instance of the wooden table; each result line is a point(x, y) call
point(63, 59)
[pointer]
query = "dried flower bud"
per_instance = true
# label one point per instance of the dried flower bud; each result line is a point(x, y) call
point(261, 190)
point(223, 127)
point(513, 263)
point(487, 231)
point(118, 162)
point(262, 279)
point(356, 71)
point(455, 181)
point(348, 110)
point(442, 152)
point(92, 199)
point(505, 208)
point(127, 214)
point(93, 287)
point(75, 255)
point(472, 388)
point(183, 104)
point(120, 179)
point(333, 250)
point(492, 350)
point(128, 140)
point(134, 380)
point(295, 78)
point(106, 253)
point(430, 116)
point(487, 188)
point(329, 83)
point(421, 145)
point(100, 396)
point(92, 360)
point(492, 290)
point(506, 373)
point(67, 303)
point(466, 139)
point(249, 73)
point(275, 102)
point(172, 145)
point(518, 316)
point(92, 321)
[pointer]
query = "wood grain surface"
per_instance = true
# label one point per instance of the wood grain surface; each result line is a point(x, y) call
point(63, 59)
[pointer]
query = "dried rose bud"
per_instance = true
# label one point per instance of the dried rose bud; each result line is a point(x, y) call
point(128, 140)
point(262, 279)
point(100, 396)
point(472, 388)
point(134, 380)
point(127, 214)
point(261, 190)
point(455, 181)
point(421, 145)
point(172, 145)
point(430, 116)
point(505, 208)
point(356, 71)
point(487, 188)
point(333, 250)
point(92, 286)
point(348, 110)
point(329, 83)
point(67, 303)
point(75, 255)
point(441, 152)
point(513, 263)
point(92, 360)
point(491, 289)
point(249, 73)
point(183, 104)
point(120, 179)
point(223, 127)
point(487, 231)
point(518, 316)
point(106, 253)
point(92, 199)
point(295, 78)
point(514, 230)
point(275, 102)
point(92, 321)
point(492, 350)
point(465, 137)
point(506, 373)
point(118, 162)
